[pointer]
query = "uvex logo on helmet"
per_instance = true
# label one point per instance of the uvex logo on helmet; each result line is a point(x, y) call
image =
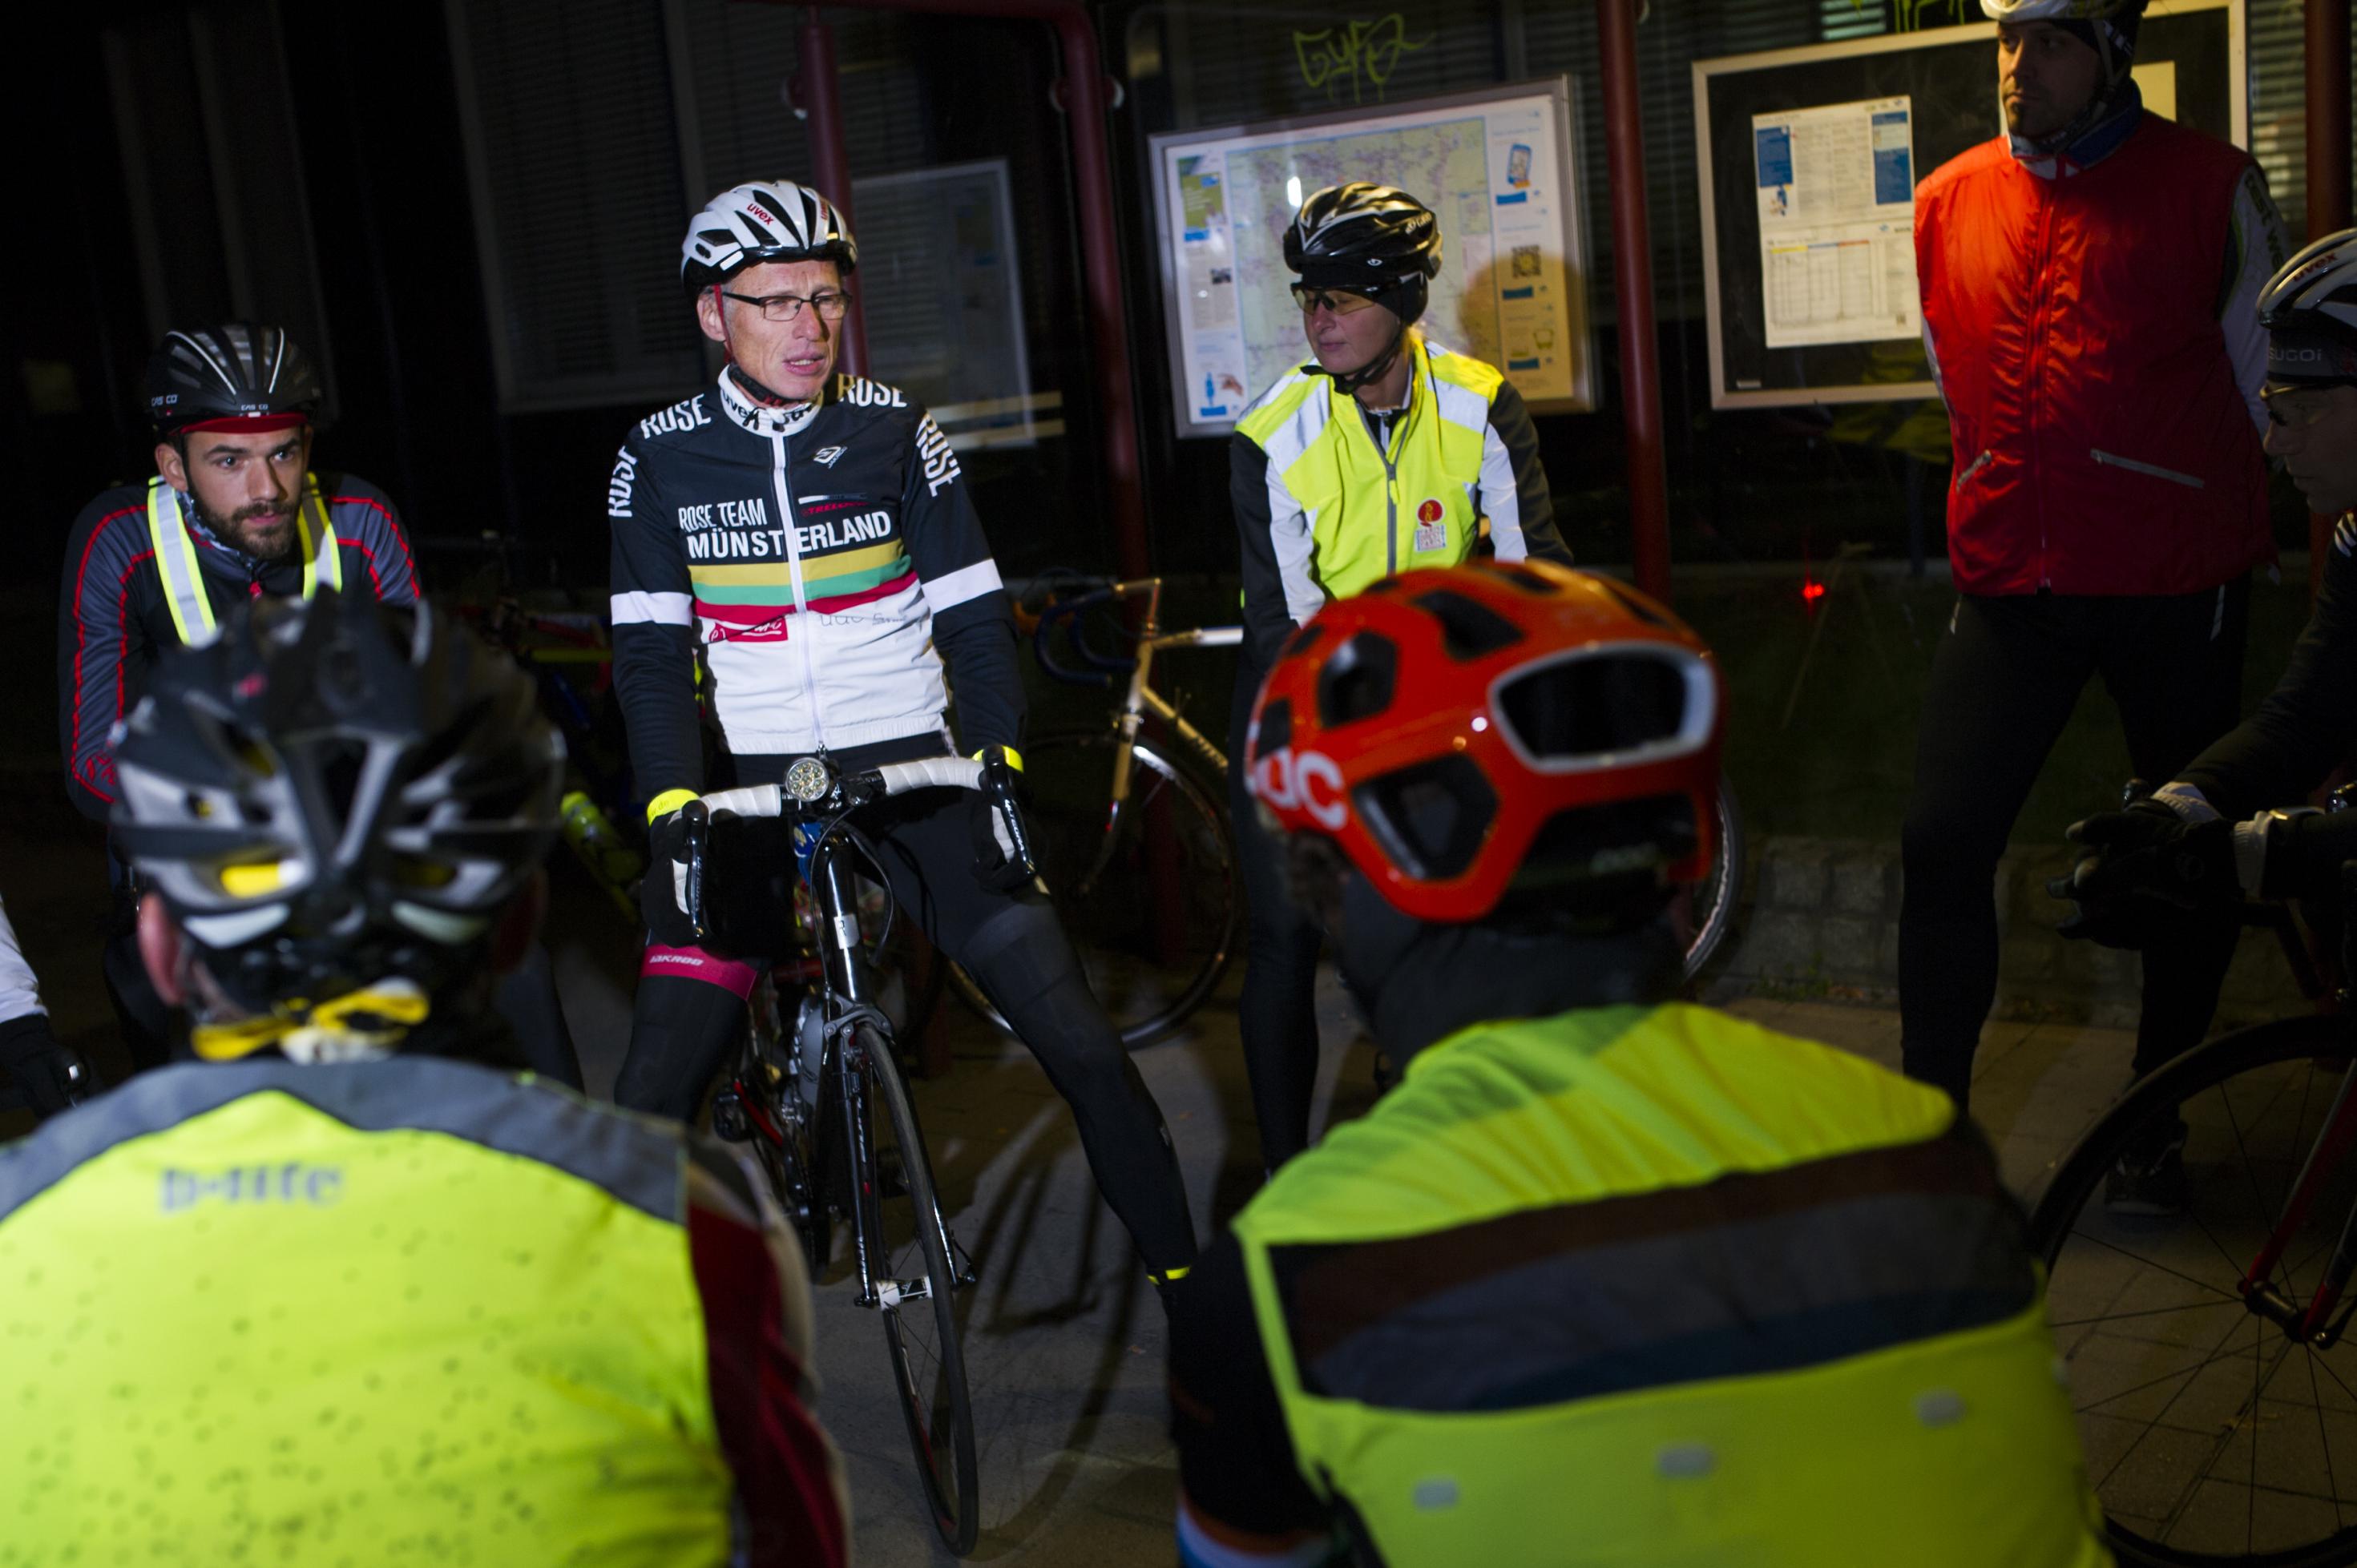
point(1307, 780)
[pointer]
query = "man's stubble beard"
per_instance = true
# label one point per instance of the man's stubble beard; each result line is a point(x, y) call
point(238, 533)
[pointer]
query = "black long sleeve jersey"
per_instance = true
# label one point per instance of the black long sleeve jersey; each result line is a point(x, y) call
point(2307, 725)
point(823, 561)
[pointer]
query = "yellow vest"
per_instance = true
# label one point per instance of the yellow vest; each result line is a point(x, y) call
point(1658, 1287)
point(184, 580)
point(1373, 512)
point(407, 1311)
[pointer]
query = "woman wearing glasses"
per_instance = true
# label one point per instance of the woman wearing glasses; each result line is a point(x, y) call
point(1385, 452)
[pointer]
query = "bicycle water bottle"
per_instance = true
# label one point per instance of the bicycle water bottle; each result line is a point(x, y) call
point(594, 839)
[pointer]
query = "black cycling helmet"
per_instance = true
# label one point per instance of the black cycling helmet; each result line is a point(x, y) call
point(765, 221)
point(231, 377)
point(335, 797)
point(1370, 239)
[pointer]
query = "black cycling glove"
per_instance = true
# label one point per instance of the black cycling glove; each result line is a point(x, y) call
point(662, 891)
point(51, 1076)
point(996, 864)
point(2145, 865)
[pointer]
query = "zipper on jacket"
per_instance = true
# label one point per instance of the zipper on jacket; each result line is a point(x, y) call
point(780, 482)
point(1975, 466)
point(2114, 460)
point(2037, 379)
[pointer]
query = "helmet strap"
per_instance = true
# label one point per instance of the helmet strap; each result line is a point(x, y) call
point(1374, 369)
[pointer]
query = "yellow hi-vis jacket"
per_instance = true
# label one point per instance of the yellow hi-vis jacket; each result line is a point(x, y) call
point(409, 1310)
point(1657, 1286)
point(1322, 512)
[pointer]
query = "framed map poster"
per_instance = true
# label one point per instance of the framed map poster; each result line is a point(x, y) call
point(1499, 169)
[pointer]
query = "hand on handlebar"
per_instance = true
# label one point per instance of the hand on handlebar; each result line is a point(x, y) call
point(1002, 840)
point(668, 894)
point(2142, 867)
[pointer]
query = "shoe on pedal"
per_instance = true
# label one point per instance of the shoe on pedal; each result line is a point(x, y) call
point(2151, 1185)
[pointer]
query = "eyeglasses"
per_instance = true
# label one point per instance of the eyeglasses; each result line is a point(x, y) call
point(1312, 300)
point(830, 305)
point(2296, 408)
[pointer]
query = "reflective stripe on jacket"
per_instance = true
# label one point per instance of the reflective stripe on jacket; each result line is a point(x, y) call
point(184, 576)
point(2103, 444)
point(115, 615)
point(1658, 1285)
point(471, 1297)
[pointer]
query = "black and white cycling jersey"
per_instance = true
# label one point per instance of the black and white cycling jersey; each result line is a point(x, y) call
point(822, 560)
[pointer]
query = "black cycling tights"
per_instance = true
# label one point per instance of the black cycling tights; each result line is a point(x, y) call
point(2004, 682)
point(683, 1029)
point(1277, 1012)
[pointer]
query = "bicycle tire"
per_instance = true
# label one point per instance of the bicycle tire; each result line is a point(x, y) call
point(929, 1368)
point(2131, 1295)
point(1071, 777)
point(1707, 909)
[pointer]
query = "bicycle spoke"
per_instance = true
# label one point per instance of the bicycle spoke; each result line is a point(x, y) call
point(2162, 1268)
point(2217, 1353)
point(2147, 1312)
point(2267, 1220)
point(2324, 1437)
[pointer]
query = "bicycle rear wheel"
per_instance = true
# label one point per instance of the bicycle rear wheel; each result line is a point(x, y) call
point(1150, 961)
point(901, 1235)
point(2212, 1433)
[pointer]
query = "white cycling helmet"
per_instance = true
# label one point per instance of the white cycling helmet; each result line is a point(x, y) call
point(765, 220)
point(2107, 26)
point(2310, 310)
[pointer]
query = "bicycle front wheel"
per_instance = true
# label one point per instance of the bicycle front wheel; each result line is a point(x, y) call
point(907, 1261)
point(1147, 898)
point(2214, 1432)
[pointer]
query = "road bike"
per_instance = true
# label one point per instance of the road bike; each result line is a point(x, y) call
point(816, 1092)
point(1133, 830)
point(2207, 1350)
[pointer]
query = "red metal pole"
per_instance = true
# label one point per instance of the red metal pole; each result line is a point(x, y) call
point(2327, 174)
point(820, 96)
point(1632, 275)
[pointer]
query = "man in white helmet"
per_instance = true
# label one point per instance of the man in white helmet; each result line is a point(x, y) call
point(2088, 279)
point(2216, 831)
point(802, 544)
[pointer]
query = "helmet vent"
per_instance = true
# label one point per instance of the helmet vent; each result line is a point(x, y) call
point(1276, 731)
point(1469, 629)
point(1358, 680)
point(1430, 818)
point(1595, 706)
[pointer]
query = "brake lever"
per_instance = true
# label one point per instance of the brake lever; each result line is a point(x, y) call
point(999, 779)
point(695, 818)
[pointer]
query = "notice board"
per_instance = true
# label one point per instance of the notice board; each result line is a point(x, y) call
point(1498, 168)
point(1808, 160)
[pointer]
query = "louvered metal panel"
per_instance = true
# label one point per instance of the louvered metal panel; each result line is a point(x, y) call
point(574, 158)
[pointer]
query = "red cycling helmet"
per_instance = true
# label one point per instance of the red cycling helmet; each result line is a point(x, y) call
point(1467, 731)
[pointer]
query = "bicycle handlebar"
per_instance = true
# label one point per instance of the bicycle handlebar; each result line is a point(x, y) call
point(823, 791)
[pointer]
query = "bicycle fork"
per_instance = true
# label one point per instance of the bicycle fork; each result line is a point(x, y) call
point(847, 984)
point(2315, 1323)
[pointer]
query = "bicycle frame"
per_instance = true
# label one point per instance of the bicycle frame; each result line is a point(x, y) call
point(1142, 698)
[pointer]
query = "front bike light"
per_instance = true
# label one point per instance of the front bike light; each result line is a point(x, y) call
point(808, 779)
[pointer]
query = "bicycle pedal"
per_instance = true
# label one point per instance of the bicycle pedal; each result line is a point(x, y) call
point(729, 1122)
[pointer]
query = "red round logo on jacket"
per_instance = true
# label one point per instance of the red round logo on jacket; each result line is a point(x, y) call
point(1428, 512)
